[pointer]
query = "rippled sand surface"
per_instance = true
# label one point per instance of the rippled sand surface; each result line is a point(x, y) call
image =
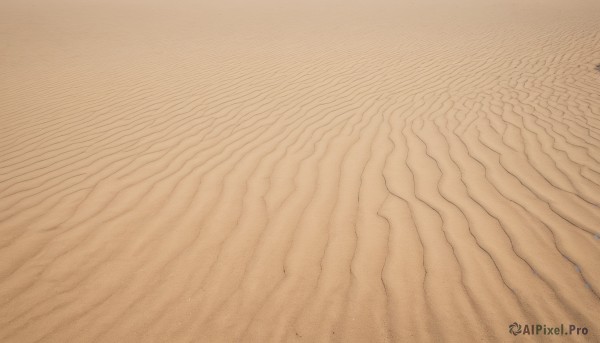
point(274, 171)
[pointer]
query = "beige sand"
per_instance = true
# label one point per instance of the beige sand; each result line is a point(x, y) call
point(350, 171)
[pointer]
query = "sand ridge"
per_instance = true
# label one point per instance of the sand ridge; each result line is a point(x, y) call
point(298, 171)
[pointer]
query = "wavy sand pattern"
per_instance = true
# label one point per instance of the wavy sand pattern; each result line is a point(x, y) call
point(313, 171)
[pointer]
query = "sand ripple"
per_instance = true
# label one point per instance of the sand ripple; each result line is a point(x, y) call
point(312, 171)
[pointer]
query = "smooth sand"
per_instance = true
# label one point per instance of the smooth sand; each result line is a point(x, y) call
point(351, 171)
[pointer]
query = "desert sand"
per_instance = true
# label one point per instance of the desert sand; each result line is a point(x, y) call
point(276, 171)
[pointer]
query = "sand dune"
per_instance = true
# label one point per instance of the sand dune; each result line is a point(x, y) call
point(351, 171)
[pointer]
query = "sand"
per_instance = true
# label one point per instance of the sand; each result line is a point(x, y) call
point(275, 171)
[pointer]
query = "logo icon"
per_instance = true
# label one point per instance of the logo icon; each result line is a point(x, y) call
point(514, 328)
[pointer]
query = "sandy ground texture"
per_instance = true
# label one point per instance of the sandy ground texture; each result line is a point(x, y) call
point(278, 171)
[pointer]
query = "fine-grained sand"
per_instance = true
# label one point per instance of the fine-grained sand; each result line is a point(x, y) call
point(266, 171)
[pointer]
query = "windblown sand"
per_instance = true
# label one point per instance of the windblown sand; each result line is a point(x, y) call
point(349, 171)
